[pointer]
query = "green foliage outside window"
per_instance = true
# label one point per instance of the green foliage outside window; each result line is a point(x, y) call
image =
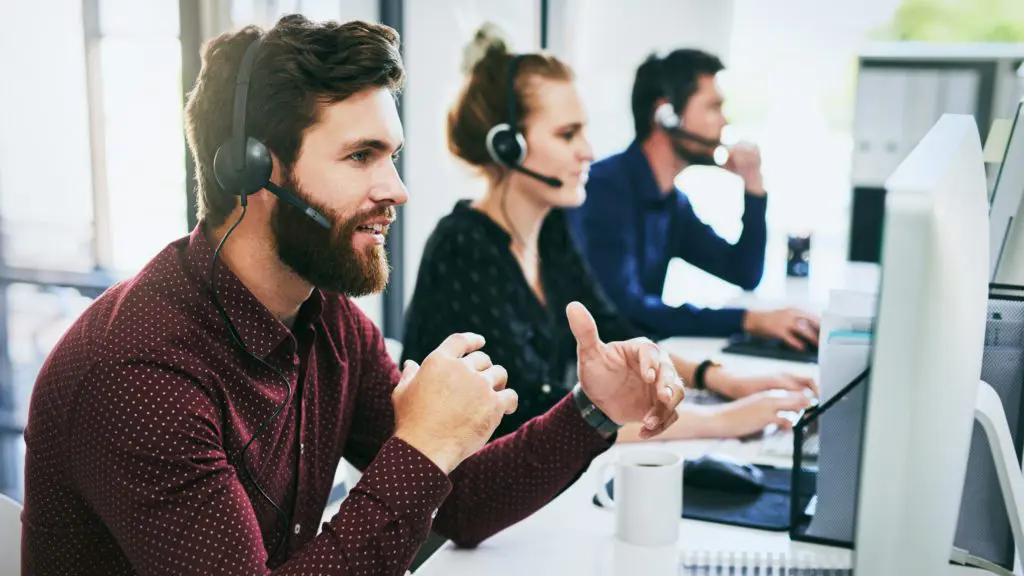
point(956, 21)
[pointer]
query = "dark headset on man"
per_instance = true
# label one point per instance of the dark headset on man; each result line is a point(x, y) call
point(243, 166)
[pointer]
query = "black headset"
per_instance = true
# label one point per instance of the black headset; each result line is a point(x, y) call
point(505, 144)
point(243, 164)
point(668, 117)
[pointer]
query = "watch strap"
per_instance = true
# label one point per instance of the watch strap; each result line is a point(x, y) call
point(591, 413)
point(698, 375)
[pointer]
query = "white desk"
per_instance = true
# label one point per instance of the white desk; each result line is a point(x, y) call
point(573, 536)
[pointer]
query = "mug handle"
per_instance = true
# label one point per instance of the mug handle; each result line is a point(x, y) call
point(602, 486)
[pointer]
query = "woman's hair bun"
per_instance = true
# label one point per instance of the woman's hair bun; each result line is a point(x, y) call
point(488, 39)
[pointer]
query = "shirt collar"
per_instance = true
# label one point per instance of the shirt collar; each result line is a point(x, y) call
point(259, 329)
point(641, 174)
point(553, 222)
point(464, 209)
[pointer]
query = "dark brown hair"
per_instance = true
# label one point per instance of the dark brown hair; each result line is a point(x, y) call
point(483, 101)
point(678, 72)
point(300, 66)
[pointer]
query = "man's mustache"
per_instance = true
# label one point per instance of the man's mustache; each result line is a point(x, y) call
point(356, 220)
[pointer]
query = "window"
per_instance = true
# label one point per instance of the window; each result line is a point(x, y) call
point(140, 82)
point(92, 163)
point(92, 174)
point(789, 86)
point(46, 209)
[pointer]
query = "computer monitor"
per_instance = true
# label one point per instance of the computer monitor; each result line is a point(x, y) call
point(1006, 213)
point(927, 355)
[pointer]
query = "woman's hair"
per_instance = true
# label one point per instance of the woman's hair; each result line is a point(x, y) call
point(484, 100)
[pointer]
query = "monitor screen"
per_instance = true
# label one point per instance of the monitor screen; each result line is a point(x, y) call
point(1006, 197)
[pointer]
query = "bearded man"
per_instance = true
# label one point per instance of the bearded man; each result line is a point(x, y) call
point(191, 421)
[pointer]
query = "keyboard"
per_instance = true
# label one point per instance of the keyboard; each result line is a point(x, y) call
point(747, 345)
point(761, 564)
point(781, 445)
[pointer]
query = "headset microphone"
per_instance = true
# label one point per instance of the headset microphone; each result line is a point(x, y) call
point(668, 120)
point(668, 117)
point(298, 203)
point(506, 144)
point(549, 180)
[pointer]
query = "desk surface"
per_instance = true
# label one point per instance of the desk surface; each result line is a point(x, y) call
point(572, 536)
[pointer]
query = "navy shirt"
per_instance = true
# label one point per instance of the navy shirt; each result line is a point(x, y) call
point(470, 281)
point(628, 231)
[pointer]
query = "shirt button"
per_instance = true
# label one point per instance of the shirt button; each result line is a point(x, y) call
point(545, 389)
point(434, 513)
point(302, 448)
point(298, 528)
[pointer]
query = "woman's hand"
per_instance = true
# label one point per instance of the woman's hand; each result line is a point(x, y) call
point(754, 413)
point(731, 386)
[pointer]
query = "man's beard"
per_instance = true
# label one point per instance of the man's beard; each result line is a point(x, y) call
point(701, 156)
point(326, 258)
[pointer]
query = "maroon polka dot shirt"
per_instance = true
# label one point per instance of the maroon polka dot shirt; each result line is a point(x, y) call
point(140, 413)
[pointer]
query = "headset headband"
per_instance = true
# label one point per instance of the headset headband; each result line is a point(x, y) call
point(512, 69)
point(241, 101)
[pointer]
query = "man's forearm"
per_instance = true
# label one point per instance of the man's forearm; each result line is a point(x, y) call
point(385, 518)
point(516, 475)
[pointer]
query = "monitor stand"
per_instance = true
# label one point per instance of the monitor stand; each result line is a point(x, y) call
point(988, 411)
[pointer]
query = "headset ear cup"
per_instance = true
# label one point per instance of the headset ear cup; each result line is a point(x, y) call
point(251, 178)
point(666, 118)
point(504, 146)
point(521, 143)
point(223, 168)
point(259, 165)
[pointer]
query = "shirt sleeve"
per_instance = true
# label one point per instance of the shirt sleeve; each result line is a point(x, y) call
point(741, 263)
point(509, 478)
point(152, 465)
point(611, 325)
point(610, 241)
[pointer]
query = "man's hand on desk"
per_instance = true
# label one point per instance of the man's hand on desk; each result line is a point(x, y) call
point(794, 327)
point(729, 385)
point(631, 382)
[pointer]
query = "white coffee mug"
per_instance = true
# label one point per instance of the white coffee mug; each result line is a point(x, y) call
point(648, 501)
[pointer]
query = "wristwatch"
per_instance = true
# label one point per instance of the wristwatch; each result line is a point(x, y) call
point(698, 374)
point(591, 413)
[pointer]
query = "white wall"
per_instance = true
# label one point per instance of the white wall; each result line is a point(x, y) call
point(605, 42)
point(435, 33)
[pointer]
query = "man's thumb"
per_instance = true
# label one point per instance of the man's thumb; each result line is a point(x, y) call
point(583, 326)
point(409, 370)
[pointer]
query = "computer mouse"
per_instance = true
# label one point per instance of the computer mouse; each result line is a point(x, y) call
point(718, 472)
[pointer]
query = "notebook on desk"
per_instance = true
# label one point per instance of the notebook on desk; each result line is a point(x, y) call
point(761, 564)
point(747, 345)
